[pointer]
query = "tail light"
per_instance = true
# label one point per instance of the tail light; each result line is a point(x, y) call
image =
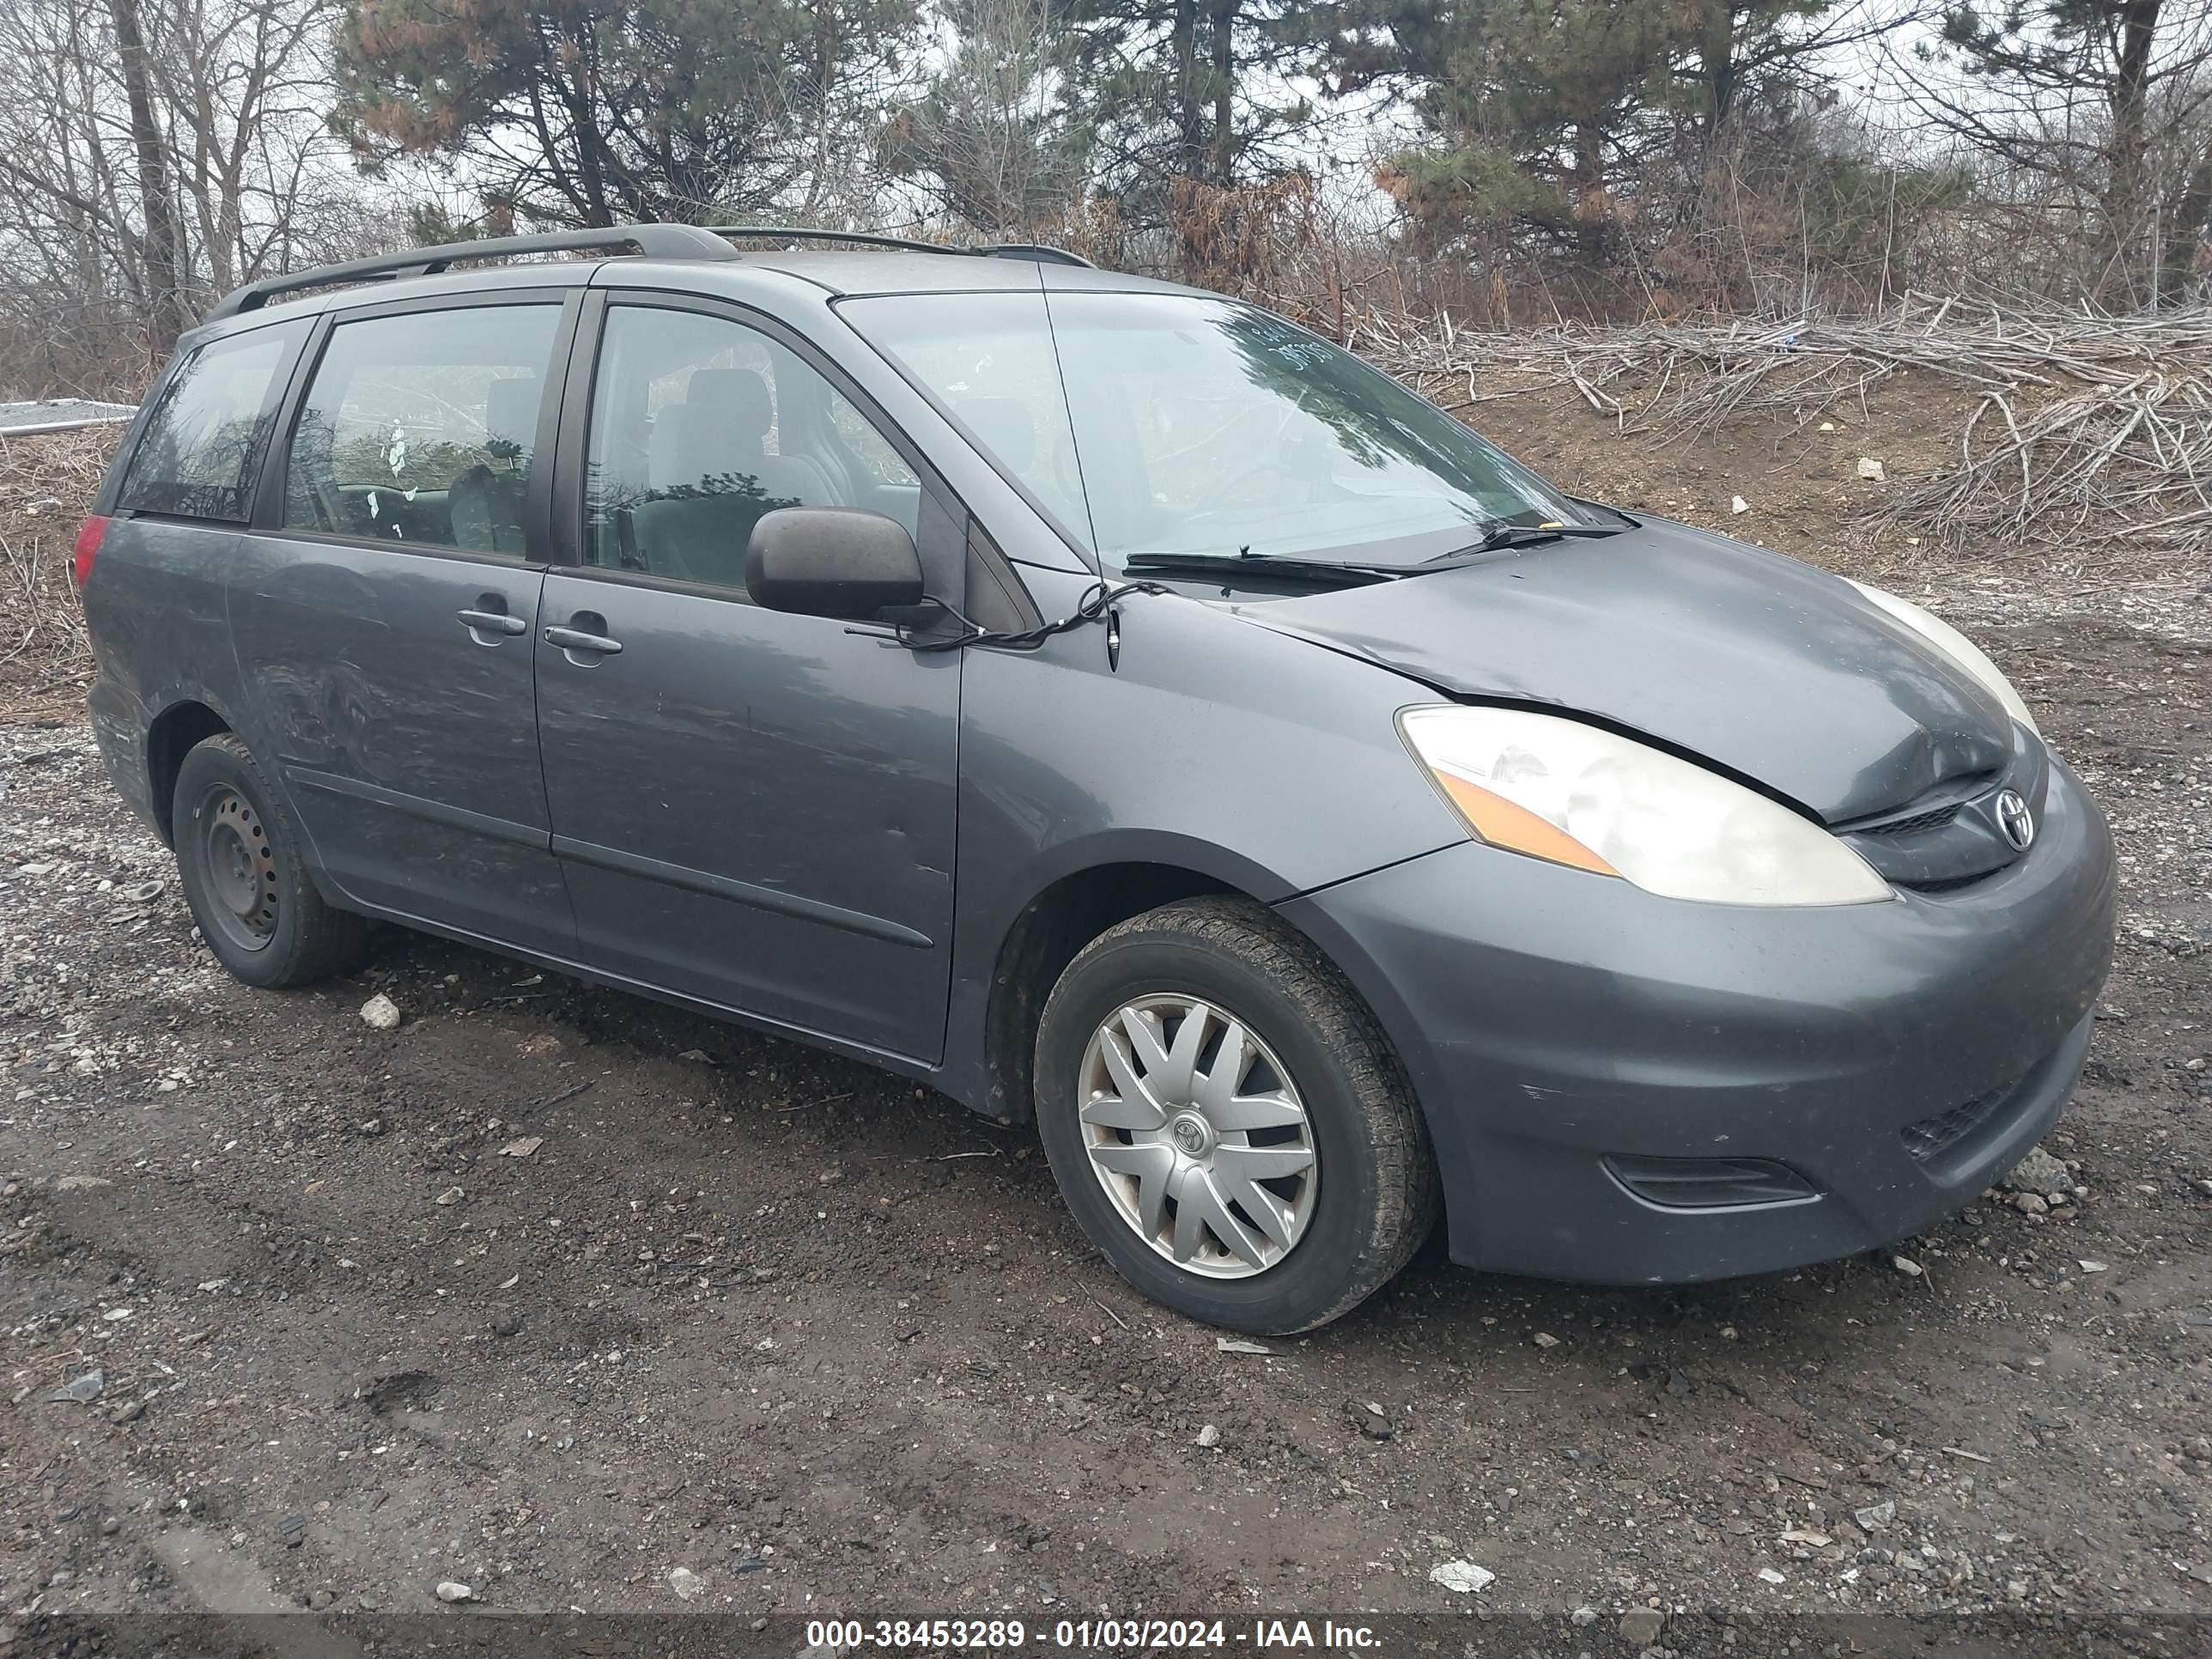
point(88, 547)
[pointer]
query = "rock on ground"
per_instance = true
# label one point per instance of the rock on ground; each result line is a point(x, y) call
point(2039, 1172)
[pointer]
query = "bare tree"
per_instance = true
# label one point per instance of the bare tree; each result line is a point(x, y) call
point(71, 254)
point(2103, 108)
point(153, 154)
point(246, 86)
point(165, 269)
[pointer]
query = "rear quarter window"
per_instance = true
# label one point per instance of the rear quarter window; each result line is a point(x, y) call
point(209, 425)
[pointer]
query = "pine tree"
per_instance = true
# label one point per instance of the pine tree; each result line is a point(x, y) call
point(590, 113)
point(990, 140)
point(1541, 111)
point(1191, 90)
point(1533, 104)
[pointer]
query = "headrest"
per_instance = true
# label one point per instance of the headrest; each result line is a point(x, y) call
point(739, 396)
point(1002, 425)
point(511, 410)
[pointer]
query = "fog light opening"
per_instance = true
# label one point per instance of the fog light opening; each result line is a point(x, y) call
point(1709, 1184)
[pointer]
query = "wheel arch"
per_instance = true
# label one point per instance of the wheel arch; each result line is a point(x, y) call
point(173, 734)
point(1045, 936)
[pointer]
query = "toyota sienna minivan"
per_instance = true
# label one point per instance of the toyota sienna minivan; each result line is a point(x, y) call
point(1119, 708)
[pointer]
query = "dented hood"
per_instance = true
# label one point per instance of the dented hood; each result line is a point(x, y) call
point(1766, 667)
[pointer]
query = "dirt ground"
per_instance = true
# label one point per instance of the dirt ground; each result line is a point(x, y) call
point(556, 1294)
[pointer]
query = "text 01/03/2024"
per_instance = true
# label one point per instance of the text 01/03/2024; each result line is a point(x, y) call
point(1103, 1634)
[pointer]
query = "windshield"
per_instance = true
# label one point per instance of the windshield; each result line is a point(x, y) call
point(1173, 424)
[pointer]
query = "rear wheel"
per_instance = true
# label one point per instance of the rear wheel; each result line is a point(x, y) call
point(239, 860)
point(1227, 1121)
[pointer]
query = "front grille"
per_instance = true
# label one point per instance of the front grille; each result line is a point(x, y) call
point(1934, 1136)
point(1935, 819)
point(1948, 885)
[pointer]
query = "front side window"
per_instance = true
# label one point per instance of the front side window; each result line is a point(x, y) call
point(1202, 426)
point(421, 429)
point(207, 423)
point(699, 427)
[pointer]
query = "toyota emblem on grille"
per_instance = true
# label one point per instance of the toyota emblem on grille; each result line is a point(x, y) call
point(2015, 820)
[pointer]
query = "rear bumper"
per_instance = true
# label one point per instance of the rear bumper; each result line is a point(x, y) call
point(119, 726)
point(1897, 1057)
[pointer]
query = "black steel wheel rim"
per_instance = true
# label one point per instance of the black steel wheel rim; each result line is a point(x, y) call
point(238, 868)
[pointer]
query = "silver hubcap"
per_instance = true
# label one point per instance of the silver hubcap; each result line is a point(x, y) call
point(1197, 1133)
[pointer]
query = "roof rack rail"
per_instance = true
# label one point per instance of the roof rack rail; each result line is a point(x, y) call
point(1034, 251)
point(1043, 253)
point(653, 241)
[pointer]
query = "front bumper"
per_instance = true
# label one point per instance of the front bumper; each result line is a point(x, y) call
point(1898, 1056)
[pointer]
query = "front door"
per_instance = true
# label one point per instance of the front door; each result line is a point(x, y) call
point(753, 808)
point(384, 618)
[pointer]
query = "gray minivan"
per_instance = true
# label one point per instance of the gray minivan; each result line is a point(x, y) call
point(1118, 707)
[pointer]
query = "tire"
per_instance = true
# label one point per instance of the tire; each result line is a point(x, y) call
point(238, 859)
point(1313, 1074)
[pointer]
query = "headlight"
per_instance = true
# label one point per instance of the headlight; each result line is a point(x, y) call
point(1957, 646)
point(1576, 795)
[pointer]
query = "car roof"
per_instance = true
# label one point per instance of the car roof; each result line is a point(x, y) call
point(829, 274)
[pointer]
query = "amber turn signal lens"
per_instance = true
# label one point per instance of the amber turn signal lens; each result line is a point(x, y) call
point(1502, 823)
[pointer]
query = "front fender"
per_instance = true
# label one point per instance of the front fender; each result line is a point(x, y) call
point(1208, 745)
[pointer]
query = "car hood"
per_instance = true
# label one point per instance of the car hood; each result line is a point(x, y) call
point(1760, 664)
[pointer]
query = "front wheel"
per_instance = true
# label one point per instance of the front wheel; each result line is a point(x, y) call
point(239, 860)
point(1227, 1121)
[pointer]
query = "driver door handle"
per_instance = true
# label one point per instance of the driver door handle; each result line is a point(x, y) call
point(575, 639)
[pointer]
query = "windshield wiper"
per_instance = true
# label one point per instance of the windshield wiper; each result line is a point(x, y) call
point(1497, 533)
point(1328, 571)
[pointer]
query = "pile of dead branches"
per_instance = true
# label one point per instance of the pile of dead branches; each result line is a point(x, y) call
point(2086, 432)
point(46, 482)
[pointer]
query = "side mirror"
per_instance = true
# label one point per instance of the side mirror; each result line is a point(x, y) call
point(832, 561)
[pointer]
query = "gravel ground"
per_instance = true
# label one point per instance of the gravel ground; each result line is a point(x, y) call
point(583, 1304)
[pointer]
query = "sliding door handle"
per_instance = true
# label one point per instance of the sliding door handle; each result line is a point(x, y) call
point(492, 622)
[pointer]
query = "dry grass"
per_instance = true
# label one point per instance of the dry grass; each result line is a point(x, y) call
point(2088, 436)
point(46, 486)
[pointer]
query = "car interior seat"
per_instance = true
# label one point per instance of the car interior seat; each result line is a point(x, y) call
point(485, 502)
point(712, 478)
